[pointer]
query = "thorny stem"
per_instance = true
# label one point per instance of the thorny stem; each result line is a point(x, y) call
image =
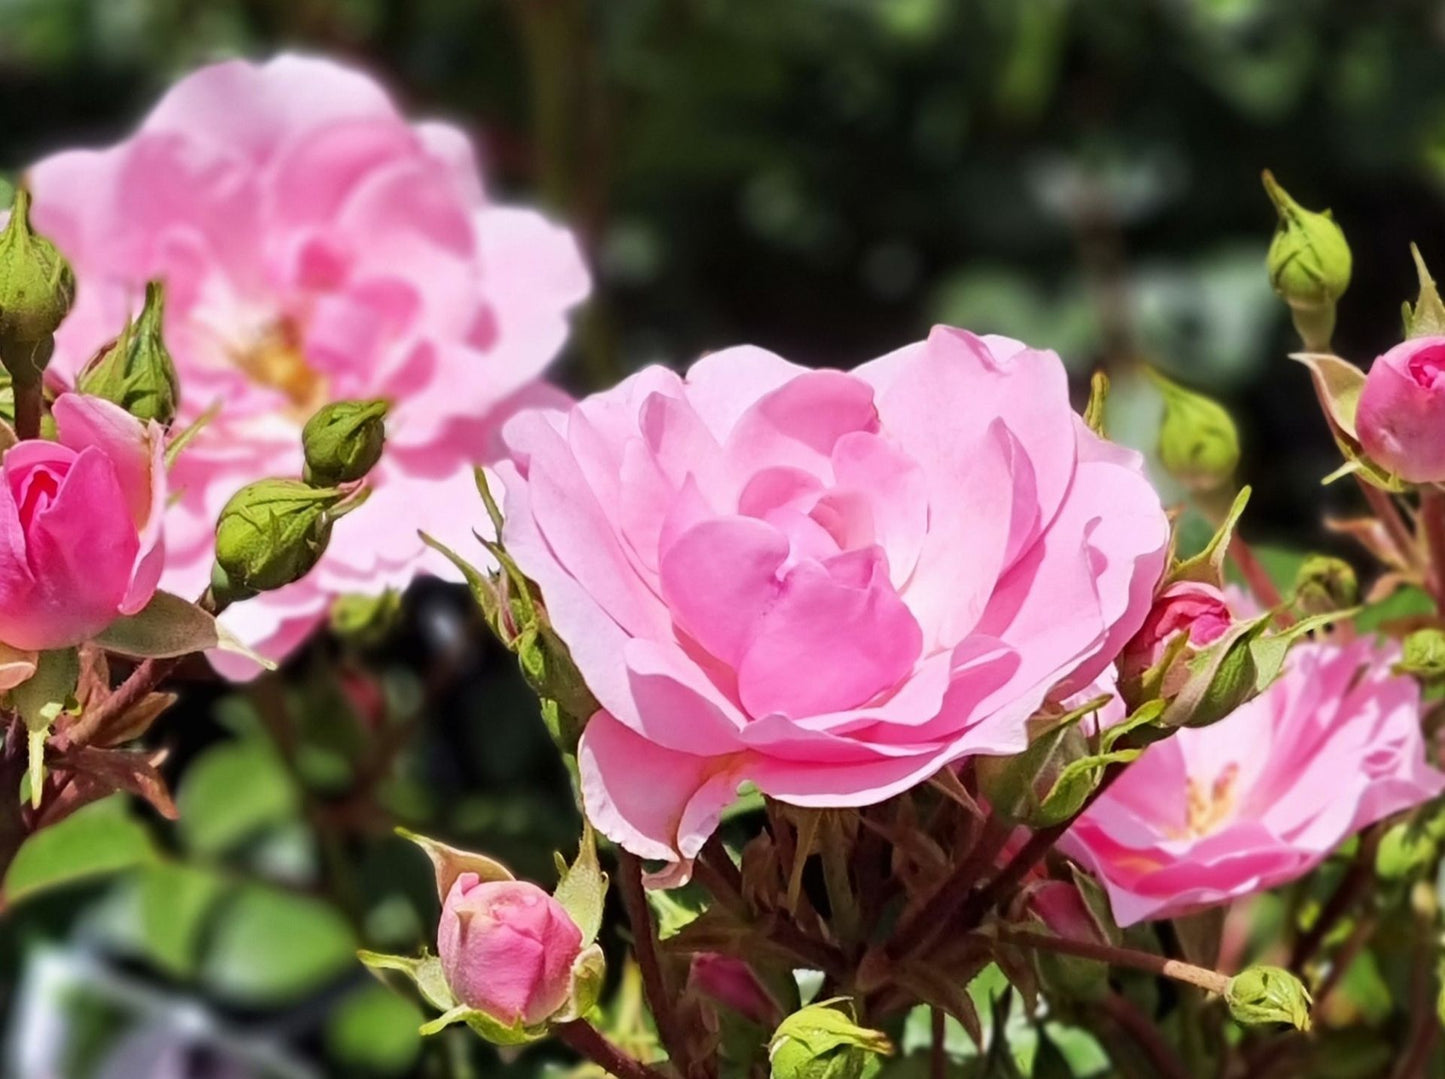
point(654, 983)
point(1432, 521)
point(29, 405)
point(1355, 881)
point(1176, 969)
point(938, 1060)
point(589, 1042)
point(1388, 514)
point(936, 911)
point(1255, 576)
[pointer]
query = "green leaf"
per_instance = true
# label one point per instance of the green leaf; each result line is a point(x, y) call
point(95, 841)
point(582, 891)
point(169, 627)
point(270, 947)
point(374, 1032)
point(174, 901)
point(232, 792)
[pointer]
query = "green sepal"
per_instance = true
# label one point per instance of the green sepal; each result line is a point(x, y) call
point(582, 887)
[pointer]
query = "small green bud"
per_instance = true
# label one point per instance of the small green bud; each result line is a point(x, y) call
point(37, 288)
point(1423, 655)
point(1198, 444)
point(273, 531)
point(1269, 995)
point(136, 371)
point(343, 441)
point(823, 1042)
point(1309, 265)
point(1406, 850)
point(1324, 583)
point(366, 621)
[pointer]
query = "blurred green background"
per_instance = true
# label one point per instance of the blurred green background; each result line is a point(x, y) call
point(826, 178)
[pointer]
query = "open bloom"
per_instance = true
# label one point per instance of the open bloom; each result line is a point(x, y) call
point(80, 519)
point(507, 949)
point(315, 246)
point(1261, 797)
point(828, 584)
point(1401, 415)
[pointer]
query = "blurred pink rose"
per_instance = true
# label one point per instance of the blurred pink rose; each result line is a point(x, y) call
point(1401, 415)
point(1189, 607)
point(828, 584)
point(314, 246)
point(81, 522)
point(731, 982)
point(507, 949)
point(1261, 797)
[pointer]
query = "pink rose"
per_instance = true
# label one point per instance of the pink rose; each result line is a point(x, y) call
point(1261, 797)
point(1401, 415)
point(1198, 611)
point(81, 522)
point(315, 246)
point(507, 949)
point(731, 982)
point(828, 584)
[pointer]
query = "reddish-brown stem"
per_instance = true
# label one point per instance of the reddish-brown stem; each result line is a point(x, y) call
point(1356, 880)
point(1388, 514)
point(660, 999)
point(1210, 981)
point(1256, 578)
point(1343, 959)
point(126, 696)
point(589, 1042)
point(1128, 1018)
point(29, 405)
point(1432, 521)
point(934, 915)
point(938, 1060)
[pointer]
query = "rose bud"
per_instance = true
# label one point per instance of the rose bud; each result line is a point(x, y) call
point(507, 949)
point(273, 531)
point(1401, 416)
point(343, 441)
point(136, 371)
point(81, 524)
point(1189, 608)
point(1309, 265)
point(1198, 443)
point(37, 288)
point(730, 982)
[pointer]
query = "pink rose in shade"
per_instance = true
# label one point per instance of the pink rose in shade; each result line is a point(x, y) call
point(507, 949)
point(1191, 608)
point(828, 584)
point(730, 982)
point(1263, 796)
point(81, 522)
point(1401, 414)
point(315, 246)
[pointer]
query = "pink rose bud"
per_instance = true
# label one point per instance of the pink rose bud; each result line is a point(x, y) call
point(732, 983)
point(507, 948)
point(80, 520)
point(1401, 416)
point(1189, 607)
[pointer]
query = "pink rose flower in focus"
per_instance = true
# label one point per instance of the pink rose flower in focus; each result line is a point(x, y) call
point(1401, 414)
point(1261, 797)
point(828, 584)
point(1199, 611)
point(507, 949)
point(81, 522)
point(315, 246)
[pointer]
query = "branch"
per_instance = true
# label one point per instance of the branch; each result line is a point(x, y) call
point(1146, 1035)
point(644, 942)
point(589, 1042)
point(1210, 981)
point(1355, 881)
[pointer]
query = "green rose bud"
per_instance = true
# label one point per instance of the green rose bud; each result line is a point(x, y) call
point(1325, 584)
point(366, 621)
point(1268, 995)
point(273, 531)
point(1198, 444)
point(343, 441)
point(1309, 265)
point(37, 288)
point(1423, 655)
point(136, 371)
point(823, 1042)
point(1406, 850)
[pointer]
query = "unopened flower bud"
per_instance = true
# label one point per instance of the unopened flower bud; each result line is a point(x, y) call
point(37, 288)
point(507, 949)
point(731, 982)
point(1309, 265)
point(273, 531)
point(822, 1042)
point(1268, 995)
point(365, 620)
point(1423, 655)
point(1185, 617)
point(1198, 444)
point(1401, 414)
point(343, 441)
point(136, 371)
point(1323, 584)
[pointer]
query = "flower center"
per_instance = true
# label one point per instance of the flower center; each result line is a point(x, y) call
point(1210, 807)
point(41, 487)
point(1427, 367)
point(275, 359)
